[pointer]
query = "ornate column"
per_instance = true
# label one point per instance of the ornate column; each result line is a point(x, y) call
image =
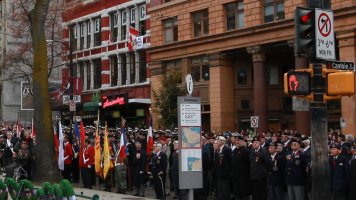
point(221, 90)
point(259, 86)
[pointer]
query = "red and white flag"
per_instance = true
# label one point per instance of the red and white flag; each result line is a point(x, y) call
point(82, 145)
point(150, 139)
point(61, 148)
point(122, 151)
point(133, 34)
point(56, 141)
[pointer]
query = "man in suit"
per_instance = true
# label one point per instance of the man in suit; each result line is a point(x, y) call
point(240, 168)
point(295, 172)
point(139, 171)
point(259, 164)
point(352, 175)
point(276, 173)
point(223, 168)
point(159, 168)
point(339, 167)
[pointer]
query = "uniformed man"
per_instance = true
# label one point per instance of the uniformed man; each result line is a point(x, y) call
point(352, 175)
point(276, 173)
point(240, 168)
point(121, 173)
point(338, 173)
point(68, 157)
point(259, 164)
point(295, 172)
point(88, 163)
point(159, 168)
point(139, 168)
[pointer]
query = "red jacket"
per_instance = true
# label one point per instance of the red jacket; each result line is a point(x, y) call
point(68, 153)
point(88, 156)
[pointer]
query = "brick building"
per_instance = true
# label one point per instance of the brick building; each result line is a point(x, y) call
point(99, 35)
point(237, 52)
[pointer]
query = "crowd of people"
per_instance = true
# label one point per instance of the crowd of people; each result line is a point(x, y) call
point(275, 165)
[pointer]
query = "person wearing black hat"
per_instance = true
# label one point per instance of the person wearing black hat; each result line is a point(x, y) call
point(240, 168)
point(295, 172)
point(352, 175)
point(338, 173)
point(285, 138)
point(259, 164)
point(139, 171)
point(276, 181)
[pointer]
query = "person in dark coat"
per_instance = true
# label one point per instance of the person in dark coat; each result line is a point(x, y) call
point(295, 172)
point(159, 168)
point(307, 154)
point(276, 173)
point(259, 164)
point(203, 193)
point(240, 168)
point(352, 175)
point(338, 173)
point(139, 169)
point(175, 170)
point(223, 169)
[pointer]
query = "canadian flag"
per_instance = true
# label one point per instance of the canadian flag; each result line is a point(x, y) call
point(122, 151)
point(150, 139)
point(133, 34)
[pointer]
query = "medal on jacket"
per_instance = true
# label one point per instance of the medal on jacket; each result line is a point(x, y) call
point(221, 159)
point(297, 162)
point(257, 156)
point(138, 155)
point(158, 160)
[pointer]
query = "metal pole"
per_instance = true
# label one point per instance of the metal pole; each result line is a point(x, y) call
point(191, 194)
point(319, 164)
point(71, 74)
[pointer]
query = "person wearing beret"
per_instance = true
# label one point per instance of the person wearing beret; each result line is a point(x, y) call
point(259, 164)
point(339, 169)
point(159, 168)
point(276, 181)
point(352, 175)
point(295, 172)
point(240, 168)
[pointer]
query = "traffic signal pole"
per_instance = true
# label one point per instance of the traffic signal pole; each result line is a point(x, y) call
point(319, 133)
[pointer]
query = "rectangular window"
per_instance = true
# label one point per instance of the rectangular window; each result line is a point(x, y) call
point(170, 30)
point(200, 69)
point(89, 32)
point(132, 68)
point(82, 35)
point(133, 16)
point(97, 32)
point(97, 73)
point(273, 75)
point(200, 22)
point(73, 40)
point(123, 69)
point(234, 15)
point(142, 19)
point(273, 10)
point(142, 66)
point(113, 70)
point(88, 77)
point(113, 27)
point(123, 24)
point(81, 71)
point(242, 76)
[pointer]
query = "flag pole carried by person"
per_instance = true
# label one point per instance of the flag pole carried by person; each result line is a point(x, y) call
point(150, 138)
point(107, 164)
point(61, 148)
point(97, 158)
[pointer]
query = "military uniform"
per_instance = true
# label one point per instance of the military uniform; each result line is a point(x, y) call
point(240, 170)
point(295, 174)
point(223, 171)
point(159, 168)
point(339, 168)
point(139, 173)
point(276, 181)
point(259, 163)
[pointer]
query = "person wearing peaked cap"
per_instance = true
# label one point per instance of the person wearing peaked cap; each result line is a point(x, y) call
point(276, 173)
point(339, 169)
point(352, 173)
point(221, 139)
point(159, 167)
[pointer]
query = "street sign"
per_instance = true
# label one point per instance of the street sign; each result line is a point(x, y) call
point(189, 83)
point(72, 106)
point(254, 121)
point(76, 99)
point(324, 34)
point(340, 65)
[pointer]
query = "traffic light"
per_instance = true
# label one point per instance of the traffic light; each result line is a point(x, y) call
point(340, 83)
point(304, 25)
point(297, 83)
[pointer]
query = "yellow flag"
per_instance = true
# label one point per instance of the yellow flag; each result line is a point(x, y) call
point(98, 168)
point(106, 154)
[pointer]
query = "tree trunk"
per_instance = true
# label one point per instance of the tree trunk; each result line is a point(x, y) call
point(46, 168)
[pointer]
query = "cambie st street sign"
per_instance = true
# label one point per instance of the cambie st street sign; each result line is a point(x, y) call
point(339, 65)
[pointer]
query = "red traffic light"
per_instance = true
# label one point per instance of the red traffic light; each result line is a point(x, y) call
point(305, 18)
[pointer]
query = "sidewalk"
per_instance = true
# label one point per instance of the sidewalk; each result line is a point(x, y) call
point(104, 195)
